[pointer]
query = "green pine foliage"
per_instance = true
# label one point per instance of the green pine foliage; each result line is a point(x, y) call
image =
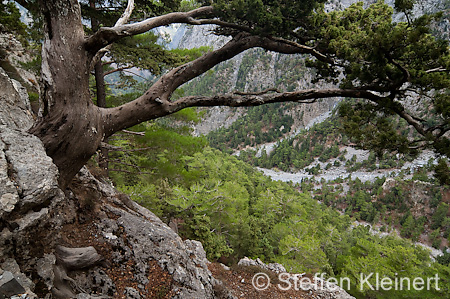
point(157, 151)
point(439, 215)
point(321, 142)
point(111, 10)
point(10, 18)
point(260, 124)
point(156, 155)
point(144, 51)
point(394, 207)
point(372, 50)
point(296, 153)
point(236, 211)
point(374, 131)
point(442, 172)
point(266, 17)
point(394, 258)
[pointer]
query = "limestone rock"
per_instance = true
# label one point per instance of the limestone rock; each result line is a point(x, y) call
point(14, 280)
point(16, 111)
point(9, 285)
point(132, 293)
point(13, 55)
point(275, 267)
point(36, 181)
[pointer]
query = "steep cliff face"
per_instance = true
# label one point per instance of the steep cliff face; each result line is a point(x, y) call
point(12, 54)
point(28, 191)
point(253, 70)
point(87, 240)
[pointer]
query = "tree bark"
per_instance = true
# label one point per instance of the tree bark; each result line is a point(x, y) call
point(101, 97)
point(101, 102)
point(70, 125)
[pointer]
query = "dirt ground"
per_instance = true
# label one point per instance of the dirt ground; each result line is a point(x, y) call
point(238, 279)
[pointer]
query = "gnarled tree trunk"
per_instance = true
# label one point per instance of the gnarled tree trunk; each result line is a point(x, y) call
point(70, 125)
point(101, 96)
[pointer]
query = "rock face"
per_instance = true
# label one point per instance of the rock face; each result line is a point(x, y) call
point(14, 104)
point(12, 54)
point(87, 242)
point(252, 70)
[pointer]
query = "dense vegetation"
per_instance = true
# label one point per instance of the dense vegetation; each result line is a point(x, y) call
point(298, 152)
point(323, 142)
point(10, 19)
point(322, 148)
point(393, 207)
point(259, 125)
point(236, 211)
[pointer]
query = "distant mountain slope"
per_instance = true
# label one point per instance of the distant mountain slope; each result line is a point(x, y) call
point(272, 136)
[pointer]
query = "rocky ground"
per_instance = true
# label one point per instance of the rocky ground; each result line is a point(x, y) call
point(242, 278)
point(340, 172)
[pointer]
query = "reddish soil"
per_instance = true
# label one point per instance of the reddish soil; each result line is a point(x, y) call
point(239, 280)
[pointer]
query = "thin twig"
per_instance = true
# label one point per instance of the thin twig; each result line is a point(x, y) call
point(134, 133)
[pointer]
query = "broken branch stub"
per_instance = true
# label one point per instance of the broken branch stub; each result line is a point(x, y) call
point(77, 258)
